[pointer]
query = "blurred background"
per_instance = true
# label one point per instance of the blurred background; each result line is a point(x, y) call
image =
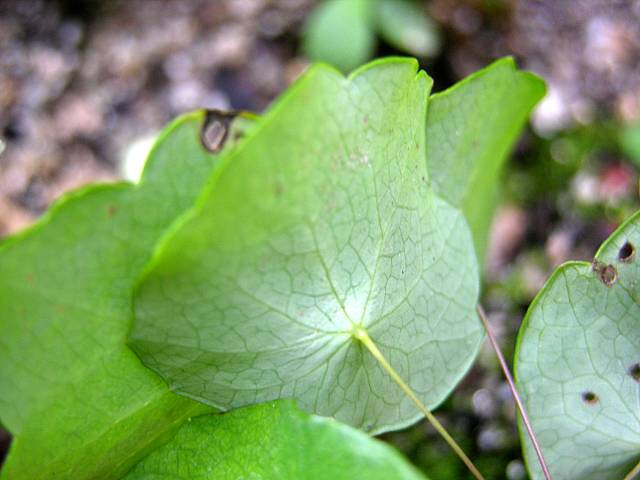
point(86, 85)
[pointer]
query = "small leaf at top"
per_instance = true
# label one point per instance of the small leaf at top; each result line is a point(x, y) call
point(273, 440)
point(340, 32)
point(322, 222)
point(405, 25)
point(577, 364)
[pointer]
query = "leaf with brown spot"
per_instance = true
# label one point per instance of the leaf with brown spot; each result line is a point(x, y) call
point(77, 400)
point(576, 364)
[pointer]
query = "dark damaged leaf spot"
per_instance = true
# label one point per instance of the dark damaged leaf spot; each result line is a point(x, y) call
point(627, 252)
point(607, 273)
point(215, 129)
point(589, 398)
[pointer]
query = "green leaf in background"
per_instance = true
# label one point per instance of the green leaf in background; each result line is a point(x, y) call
point(629, 140)
point(321, 223)
point(577, 364)
point(471, 128)
point(273, 440)
point(340, 33)
point(78, 400)
point(405, 25)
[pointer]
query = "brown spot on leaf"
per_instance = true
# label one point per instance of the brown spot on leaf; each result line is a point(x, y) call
point(634, 371)
point(627, 252)
point(112, 210)
point(215, 129)
point(607, 273)
point(590, 398)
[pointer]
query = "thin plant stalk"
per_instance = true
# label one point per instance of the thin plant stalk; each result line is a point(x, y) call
point(514, 392)
point(362, 335)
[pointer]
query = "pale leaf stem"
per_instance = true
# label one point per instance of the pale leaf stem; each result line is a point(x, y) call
point(362, 335)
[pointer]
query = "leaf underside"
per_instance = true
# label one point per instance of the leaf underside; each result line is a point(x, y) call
point(321, 221)
point(577, 364)
point(273, 440)
point(471, 128)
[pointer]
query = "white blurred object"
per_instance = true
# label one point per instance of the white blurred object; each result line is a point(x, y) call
point(483, 403)
point(135, 157)
point(516, 470)
point(553, 113)
point(585, 188)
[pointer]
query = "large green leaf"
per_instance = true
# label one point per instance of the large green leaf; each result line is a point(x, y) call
point(323, 221)
point(273, 440)
point(577, 364)
point(471, 128)
point(80, 402)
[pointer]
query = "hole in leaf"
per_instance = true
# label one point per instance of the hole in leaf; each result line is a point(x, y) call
point(589, 397)
point(607, 273)
point(634, 371)
point(215, 129)
point(626, 253)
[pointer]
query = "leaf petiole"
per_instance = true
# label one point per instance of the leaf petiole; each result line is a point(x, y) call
point(514, 392)
point(361, 334)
